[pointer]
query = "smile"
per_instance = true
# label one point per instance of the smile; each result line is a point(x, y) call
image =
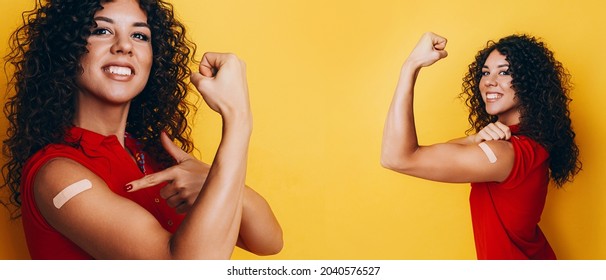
point(493, 96)
point(119, 70)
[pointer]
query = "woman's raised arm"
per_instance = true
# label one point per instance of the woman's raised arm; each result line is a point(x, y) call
point(447, 162)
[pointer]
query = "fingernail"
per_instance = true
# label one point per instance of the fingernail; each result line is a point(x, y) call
point(128, 187)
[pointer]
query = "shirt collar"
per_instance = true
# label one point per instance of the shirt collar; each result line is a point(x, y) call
point(515, 129)
point(76, 134)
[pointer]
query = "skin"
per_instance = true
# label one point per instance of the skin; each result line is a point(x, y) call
point(221, 210)
point(459, 160)
point(104, 98)
point(496, 90)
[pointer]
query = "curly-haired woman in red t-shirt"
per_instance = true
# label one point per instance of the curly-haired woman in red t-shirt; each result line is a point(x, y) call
point(517, 93)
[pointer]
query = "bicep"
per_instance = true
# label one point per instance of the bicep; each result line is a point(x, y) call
point(260, 231)
point(460, 163)
point(104, 224)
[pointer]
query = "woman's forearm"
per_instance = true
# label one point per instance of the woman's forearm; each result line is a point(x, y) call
point(211, 227)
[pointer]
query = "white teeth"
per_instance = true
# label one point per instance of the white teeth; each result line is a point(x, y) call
point(119, 70)
point(492, 96)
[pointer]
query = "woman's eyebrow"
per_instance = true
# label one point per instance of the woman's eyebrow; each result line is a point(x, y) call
point(498, 66)
point(106, 19)
point(109, 20)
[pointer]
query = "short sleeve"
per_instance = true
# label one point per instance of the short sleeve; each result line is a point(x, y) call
point(529, 158)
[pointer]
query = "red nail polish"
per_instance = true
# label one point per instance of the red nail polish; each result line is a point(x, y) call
point(128, 187)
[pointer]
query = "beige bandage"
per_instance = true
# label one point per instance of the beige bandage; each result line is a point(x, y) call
point(489, 153)
point(72, 190)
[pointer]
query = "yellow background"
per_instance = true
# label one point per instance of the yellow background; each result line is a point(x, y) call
point(321, 76)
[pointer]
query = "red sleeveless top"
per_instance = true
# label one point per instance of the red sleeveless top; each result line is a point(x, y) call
point(105, 157)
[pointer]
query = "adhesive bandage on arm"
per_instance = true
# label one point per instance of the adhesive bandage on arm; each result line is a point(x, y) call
point(489, 153)
point(72, 190)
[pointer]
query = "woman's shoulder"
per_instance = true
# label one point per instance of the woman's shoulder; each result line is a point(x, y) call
point(57, 169)
point(59, 153)
point(523, 143)
point(52, 151)
point(79, 145)
point(528, 153)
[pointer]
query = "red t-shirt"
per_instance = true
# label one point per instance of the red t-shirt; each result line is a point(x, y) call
point(505, 215)
point(105, 157)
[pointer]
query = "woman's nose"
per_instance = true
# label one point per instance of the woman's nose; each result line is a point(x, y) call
point(122, 45)
point(490, 80)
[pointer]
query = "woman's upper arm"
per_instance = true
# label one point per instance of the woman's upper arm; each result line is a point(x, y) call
point(260, 232)
point(104, 224)
point(460, 163)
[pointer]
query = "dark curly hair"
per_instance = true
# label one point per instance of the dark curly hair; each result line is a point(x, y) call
point(542, 87)
point(45, 54)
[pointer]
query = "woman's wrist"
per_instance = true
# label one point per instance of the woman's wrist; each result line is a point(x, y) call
point(240, 123)
point(411, 66)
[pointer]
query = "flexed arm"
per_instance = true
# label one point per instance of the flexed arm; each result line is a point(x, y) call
point(109, 226)
point(461, 160)
point(213, 222)
point(260, 232)
point(211, 227)
point(400, 135)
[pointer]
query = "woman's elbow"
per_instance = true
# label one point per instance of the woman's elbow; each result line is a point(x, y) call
point(386, 163)
point(394, 163)
point(389, 161)
point(278, 242)
point(272, 247)
point(263, 243)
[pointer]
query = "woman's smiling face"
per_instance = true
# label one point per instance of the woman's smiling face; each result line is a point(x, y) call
point(496, 88)
point(119, 58)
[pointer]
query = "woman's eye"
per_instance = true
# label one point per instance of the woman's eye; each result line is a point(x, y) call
point(485, 73)
point(141, 36)
point(101, 31)
point(504, 73)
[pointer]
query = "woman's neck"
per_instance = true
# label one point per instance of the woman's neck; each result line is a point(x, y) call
point(510, 118)
point(105, 120)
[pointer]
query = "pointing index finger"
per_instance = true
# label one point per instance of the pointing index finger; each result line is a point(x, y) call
point(150, 180)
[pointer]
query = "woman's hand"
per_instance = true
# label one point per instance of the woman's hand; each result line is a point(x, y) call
point(493, 131)
point(185, 179)
point(222, 83)
point(429, 49)
point(181, 194)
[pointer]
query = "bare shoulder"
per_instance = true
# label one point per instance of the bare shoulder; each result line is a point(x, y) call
point(496, 157)
point(59, 173)
point(54, 180)
point(502, 150)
